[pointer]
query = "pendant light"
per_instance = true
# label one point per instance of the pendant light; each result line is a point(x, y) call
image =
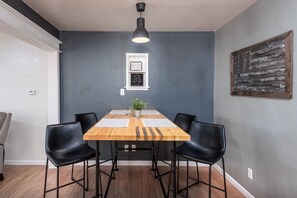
point(140, 35)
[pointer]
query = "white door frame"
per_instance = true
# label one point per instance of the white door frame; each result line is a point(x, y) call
point(16, 24)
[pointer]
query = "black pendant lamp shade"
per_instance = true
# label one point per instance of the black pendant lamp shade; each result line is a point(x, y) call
point(140, 35)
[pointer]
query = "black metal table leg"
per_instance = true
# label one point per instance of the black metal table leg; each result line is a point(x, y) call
point(116, 156)
point(110, 176)
point(160, 179)
point(97, 169)
point(174, 170)
point(153, 156)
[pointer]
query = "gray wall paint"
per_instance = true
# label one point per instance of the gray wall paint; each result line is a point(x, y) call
point(261, 132)
point(181, 70)
point(33, 16)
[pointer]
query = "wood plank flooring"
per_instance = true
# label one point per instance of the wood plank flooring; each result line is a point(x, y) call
point(130, 182)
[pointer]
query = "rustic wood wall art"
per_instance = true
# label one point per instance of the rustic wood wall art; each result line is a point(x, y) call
point(264, 69)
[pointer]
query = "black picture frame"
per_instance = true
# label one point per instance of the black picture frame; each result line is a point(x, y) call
point(136, 79)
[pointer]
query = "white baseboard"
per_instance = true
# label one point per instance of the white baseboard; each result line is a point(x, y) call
point(234, 183)
point(144, 163)
point(120, 163)
point(24, 162)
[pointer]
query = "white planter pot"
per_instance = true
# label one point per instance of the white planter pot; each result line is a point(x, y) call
point(137, 113)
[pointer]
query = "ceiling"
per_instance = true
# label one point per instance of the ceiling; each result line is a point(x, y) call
point(120, 15)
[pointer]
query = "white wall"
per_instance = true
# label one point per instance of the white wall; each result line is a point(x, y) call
point(261, 132)
point(23, 67)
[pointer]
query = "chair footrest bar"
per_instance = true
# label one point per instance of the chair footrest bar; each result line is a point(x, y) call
point(169, 164)
point(197, 182)
point(162, 174)
point(104, 161)
point(195, 179)
point(179, 191)
point(75, 181)
point(100, 195)
point(212, 186)
point(105, 173)
point(100, 162)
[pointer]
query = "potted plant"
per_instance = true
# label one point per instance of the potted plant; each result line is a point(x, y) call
point(138, 105)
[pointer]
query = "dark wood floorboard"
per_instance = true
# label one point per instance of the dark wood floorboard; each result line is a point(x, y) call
point(130, 182)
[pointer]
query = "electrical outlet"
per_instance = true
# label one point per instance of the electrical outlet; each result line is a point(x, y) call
point(122, 92)
point(126, 147)
point(250, 173)
point(133, 147)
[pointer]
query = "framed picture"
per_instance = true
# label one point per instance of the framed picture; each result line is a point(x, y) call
point(264, 69)
point(136, 66)
point(137, 71)
point(136, 79)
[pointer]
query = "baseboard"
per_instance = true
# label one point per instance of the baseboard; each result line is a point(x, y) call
point(24, 162)
point(120, 163)
point(144, 163)
point(234, 183)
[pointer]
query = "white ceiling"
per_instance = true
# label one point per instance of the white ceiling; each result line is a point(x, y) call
point(120, 15)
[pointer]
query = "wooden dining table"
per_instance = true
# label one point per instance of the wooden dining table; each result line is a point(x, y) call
point(121, 125)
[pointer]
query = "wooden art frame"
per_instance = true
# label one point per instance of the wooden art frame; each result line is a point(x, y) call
point(264, 69)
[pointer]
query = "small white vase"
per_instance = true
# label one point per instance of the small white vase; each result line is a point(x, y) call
point(137, 113)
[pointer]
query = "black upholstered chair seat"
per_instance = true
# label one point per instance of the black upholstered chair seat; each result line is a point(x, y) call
point(208, 146)
point(64, 145)
point(81, 153)
point(193, 153)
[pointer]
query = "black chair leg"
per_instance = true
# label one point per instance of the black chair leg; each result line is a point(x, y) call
point(178, 190)
point(187, 193)
point(209, 183)
point(224, 174)
point(197, 169)
point(72, 171)
point(46, 168)
point(87, 188)
point(72, 176)
point(57, 182)
point(84, 180)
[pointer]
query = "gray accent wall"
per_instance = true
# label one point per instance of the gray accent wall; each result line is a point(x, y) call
point(181, 70)
point(25, 10)
point(261, 132)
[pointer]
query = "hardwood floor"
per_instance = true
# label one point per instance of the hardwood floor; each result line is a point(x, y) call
point(130, 182)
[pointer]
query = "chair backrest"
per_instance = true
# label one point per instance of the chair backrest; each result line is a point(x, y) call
point(5, 119)
point(87, 120)
point(63, 137)
point(208, 137)
point(184, 121)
